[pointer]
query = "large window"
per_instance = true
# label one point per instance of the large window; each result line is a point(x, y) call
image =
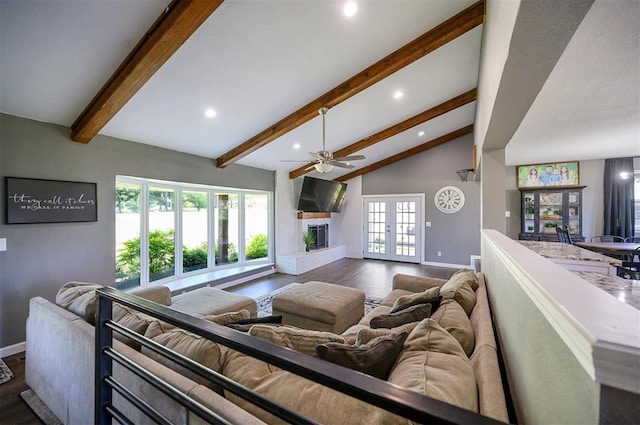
point(160, 225)
point(636, 187)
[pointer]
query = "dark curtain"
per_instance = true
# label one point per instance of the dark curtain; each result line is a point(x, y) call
point(618, 197)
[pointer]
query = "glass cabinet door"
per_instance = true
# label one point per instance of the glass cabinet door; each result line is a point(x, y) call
point(528, 211)
point(550, 211)
point(574, 212)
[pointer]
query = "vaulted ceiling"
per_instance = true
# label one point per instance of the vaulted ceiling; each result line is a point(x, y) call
point(147, 71)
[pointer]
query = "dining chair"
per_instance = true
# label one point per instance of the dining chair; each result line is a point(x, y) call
point(630, 269)
point(607, 238)
point(563, 234)
point(633, 239)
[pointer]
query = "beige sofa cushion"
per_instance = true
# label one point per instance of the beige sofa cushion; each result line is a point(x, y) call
point(452, 317)
point(430, 296)
point(79, 298)
point(465, 275)
point(461, 291)
point(320, 403)
point(374, 358)
point(433, 363)
point(301, 340)
point(132, 320)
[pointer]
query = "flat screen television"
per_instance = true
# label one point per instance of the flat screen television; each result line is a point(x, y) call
point(318, 195)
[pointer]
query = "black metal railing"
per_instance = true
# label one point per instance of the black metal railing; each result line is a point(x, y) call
point(400, 401)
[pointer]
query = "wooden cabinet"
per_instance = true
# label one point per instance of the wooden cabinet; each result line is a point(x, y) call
point(544, 208)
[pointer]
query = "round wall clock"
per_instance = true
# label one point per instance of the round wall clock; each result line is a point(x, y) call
point(449, 199)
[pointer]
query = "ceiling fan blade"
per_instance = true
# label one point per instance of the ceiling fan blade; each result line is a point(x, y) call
point(340, 164)
point(350, 158)
point(311, 167)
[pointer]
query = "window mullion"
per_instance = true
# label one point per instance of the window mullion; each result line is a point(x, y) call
point(211, 228)
point(241, 228)
point(177, 225)
point(144, 234)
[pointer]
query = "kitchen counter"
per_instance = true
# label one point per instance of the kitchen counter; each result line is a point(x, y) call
point(573, 257)
point(626, 291)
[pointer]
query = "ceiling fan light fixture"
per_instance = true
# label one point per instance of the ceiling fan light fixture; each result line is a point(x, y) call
point(323, 167)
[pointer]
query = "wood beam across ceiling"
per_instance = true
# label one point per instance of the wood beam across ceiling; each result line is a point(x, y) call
point(422, 117)
point(449, 30)
point(410, 152)
point(176, 24)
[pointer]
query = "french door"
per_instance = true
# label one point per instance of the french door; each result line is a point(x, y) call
point(392, 230)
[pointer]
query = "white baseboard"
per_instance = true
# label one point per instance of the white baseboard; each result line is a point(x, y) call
point(453, 266)
point(13, 349)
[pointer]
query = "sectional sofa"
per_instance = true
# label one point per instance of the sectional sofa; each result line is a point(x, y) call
point(454, 351)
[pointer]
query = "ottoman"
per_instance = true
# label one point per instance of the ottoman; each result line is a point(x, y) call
point(320, 306)
point(203, 301)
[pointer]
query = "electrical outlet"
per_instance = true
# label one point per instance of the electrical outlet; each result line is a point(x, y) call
point(507, 213)
point(427, 224)
point(439, 254)
point(3, 244)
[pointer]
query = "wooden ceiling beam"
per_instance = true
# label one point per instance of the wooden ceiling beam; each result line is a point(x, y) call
point(176, 24)
point(422, 117)
point(410, 152)
point(416, 49)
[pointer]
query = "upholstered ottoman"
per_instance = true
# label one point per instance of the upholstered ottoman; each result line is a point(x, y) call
point(320, 306)
point(203, 301)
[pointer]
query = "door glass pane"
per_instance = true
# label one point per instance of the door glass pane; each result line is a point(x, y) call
point(550, 211)
point(376, 227)
point(194, 230)
point(529, 212)
point(161, 233)
point(226, 219)
point(574, 212)
point(405, 228)
point(127, 235)
point(256, 226)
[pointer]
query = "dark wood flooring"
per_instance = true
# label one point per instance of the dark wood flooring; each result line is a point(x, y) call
point(373, 277)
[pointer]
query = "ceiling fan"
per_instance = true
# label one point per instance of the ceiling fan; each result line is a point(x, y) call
point(324, 160)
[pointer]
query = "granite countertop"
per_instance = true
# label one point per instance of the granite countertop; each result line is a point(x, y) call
point(626, 291)
point(565, 251)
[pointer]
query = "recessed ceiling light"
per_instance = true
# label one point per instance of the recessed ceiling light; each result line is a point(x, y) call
point(421, 134)
point(398, 95)
point(350, 9)
point(296, 146)
point(210, 113)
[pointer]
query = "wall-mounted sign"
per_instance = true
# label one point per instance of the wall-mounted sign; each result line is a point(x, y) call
point(49, 201)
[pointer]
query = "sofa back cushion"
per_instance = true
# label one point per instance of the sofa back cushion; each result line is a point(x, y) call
point(411, 314)
point(461, 291)
point(433, 363)
point(452, 317)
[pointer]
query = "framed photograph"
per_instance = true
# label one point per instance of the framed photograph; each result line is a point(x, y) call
point(548, 175)
point(49, 201)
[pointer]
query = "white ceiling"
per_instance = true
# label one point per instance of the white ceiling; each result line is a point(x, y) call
point(255, 62)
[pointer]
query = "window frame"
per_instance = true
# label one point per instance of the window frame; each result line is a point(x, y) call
point(211, 192)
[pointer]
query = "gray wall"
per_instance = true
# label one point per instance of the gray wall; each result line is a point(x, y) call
point(42, 257)
point(456, 236)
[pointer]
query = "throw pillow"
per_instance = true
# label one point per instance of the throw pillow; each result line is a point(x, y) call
point(452, 317)
point(408, 315)
point(365, 335)
point(245, 324)
point(302, 340)
point(430, 296)
point(79, 298)
point(375, 358)
point(462, 293)
point(229, 317)
point(255, 320)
